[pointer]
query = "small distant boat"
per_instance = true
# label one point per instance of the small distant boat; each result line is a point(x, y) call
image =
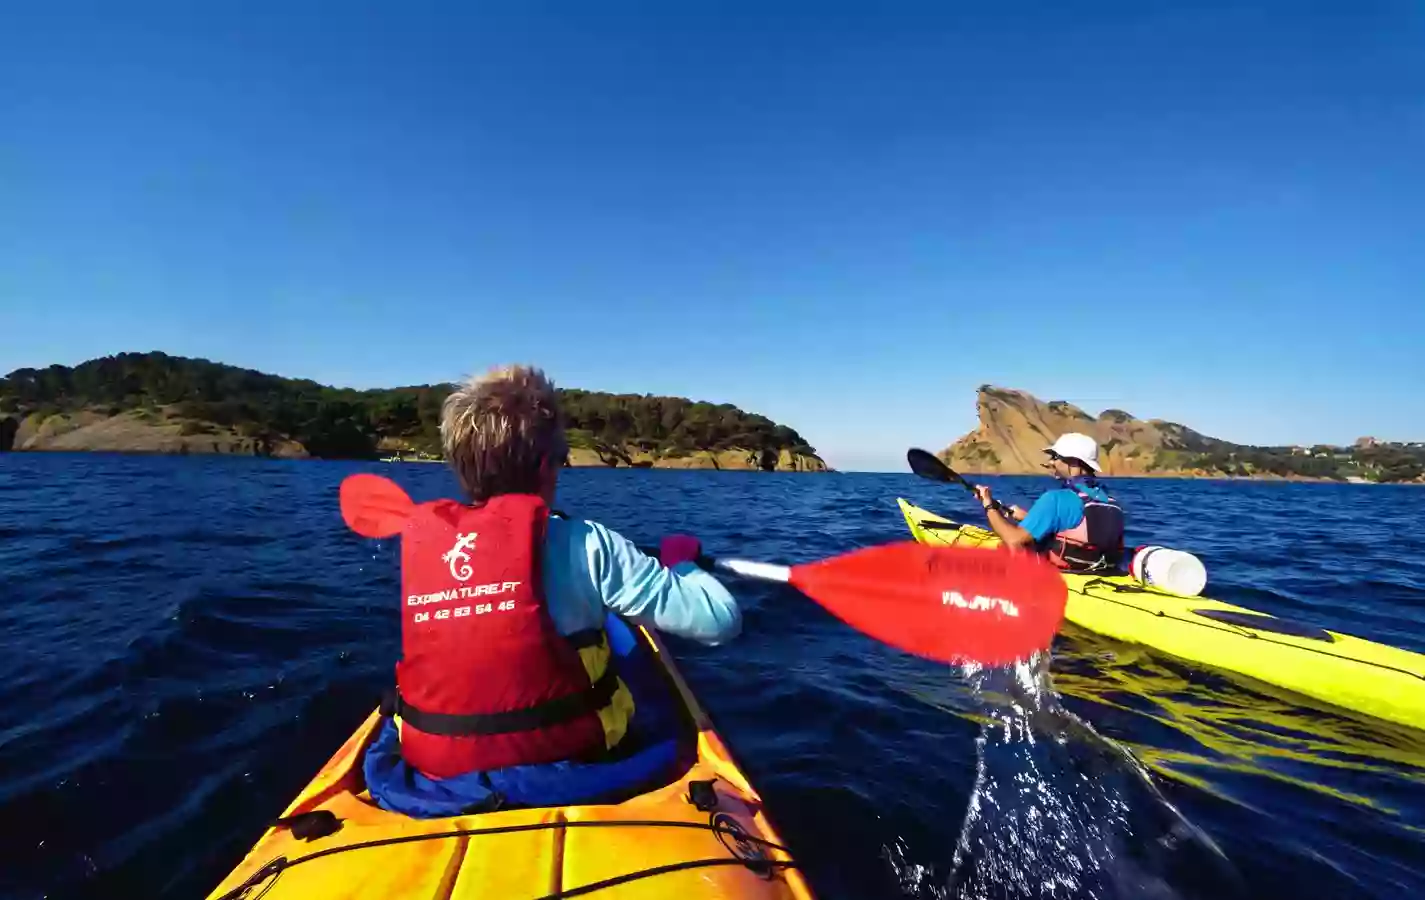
point(411, 459)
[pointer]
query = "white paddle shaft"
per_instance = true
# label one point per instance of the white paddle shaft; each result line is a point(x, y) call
point(759, 570)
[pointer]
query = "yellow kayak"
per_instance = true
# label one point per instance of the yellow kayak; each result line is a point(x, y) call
point(701, 834)
point(1374, 679)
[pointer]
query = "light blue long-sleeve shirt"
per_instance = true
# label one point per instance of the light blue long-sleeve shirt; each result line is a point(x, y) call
point(590, 569)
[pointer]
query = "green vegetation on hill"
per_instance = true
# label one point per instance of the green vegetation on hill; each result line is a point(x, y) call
point(1391, 462)
point(341, 422)
point(1381, 462)
point(672, 426)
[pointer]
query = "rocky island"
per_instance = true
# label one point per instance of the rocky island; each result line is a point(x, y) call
point(156, 403)
point(1015, 427)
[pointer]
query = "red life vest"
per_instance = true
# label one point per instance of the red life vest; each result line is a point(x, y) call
point(1093, 545)
point(486, 680)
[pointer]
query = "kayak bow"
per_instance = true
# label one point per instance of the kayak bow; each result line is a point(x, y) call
point(703, 834)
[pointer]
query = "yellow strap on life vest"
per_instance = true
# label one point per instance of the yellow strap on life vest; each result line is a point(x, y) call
point(619, 712)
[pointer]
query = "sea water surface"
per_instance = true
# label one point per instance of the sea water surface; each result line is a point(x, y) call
point(184, 642)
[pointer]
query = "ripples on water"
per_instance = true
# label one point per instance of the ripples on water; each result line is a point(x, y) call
point(183, 642)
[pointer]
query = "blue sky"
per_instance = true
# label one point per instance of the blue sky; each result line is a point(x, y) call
point(844, 216)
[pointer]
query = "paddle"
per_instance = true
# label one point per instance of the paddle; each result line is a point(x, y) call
point(373, 506)
point(928, 465)
point(951, 604)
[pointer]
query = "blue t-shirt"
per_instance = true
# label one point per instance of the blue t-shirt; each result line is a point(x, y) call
point(1058, 510)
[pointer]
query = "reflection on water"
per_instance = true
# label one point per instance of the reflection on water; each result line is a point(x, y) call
point(1061, 808)
point(1194, 726)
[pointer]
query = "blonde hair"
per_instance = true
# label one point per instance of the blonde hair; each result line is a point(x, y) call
point(499, 430)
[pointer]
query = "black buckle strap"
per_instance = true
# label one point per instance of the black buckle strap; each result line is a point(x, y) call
point(1084, 558)
point(310, 826)
point(589, 637)
point(552, 712)
point(702, 795)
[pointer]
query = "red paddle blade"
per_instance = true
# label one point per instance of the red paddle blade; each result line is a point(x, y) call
point(952, 604)
point(373, 506)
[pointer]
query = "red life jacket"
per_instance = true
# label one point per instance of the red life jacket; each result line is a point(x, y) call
point(1093, 545)
point(486, 680)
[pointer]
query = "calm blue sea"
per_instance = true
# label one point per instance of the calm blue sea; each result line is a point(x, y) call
point(183, 642)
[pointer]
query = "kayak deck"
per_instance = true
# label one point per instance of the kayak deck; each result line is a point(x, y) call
point(657, 844)
point(1374, 679)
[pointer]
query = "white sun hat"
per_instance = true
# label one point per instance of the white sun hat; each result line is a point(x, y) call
point(1076, 446)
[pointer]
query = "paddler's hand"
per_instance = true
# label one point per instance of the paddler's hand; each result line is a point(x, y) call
point(982, 493)
point(1018, 513)
point(679, 548)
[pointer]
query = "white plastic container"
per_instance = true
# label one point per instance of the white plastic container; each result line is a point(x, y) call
point(1175, 571)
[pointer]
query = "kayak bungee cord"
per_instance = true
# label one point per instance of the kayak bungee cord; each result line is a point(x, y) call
point(664, 870)
point(275, 867)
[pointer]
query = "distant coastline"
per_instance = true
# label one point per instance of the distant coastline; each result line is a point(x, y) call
point(156, 403)
point(1187, 476)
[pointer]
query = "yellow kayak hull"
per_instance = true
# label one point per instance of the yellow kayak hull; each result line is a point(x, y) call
point(654, 845)
point(1374, 679)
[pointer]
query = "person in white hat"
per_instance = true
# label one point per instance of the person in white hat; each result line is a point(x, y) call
point(1078, 527)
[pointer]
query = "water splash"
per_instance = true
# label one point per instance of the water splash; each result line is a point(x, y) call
point(1058, 810)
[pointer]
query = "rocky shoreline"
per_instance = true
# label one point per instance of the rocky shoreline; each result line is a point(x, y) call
point(165, 432)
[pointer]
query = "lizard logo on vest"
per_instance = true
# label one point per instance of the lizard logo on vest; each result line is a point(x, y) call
point(459, 556)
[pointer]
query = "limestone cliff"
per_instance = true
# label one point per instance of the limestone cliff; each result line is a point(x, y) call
point(1015, 427)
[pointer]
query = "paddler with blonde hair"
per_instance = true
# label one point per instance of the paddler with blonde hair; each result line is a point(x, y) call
point(516, 670)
